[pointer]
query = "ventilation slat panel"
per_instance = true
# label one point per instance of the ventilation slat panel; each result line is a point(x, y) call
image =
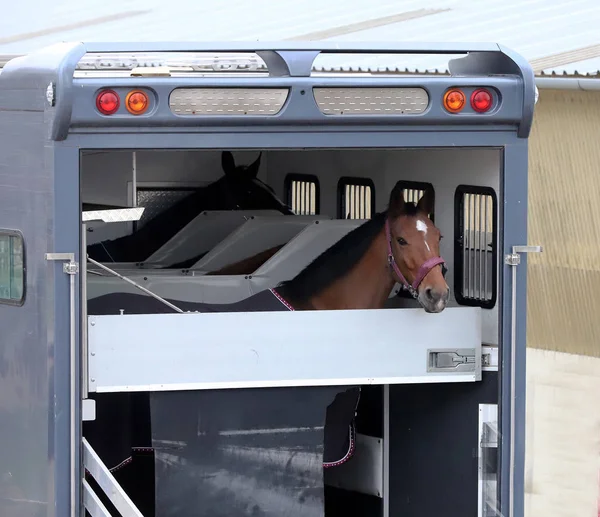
point(356, 198)
point(475, 254)
point(302, 193)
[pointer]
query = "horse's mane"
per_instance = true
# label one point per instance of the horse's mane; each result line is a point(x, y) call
point(334, 262)
point(337, 261)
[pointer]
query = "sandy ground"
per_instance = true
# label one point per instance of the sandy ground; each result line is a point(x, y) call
point(562, 473)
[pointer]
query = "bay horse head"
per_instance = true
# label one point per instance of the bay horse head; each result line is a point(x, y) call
point(413, 250)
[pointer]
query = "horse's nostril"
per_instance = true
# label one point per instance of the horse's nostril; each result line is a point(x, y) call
point(429, 293)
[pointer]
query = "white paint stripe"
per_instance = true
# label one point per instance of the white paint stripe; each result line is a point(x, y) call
point(417, 379)
point(422, 227)
point(270, 431)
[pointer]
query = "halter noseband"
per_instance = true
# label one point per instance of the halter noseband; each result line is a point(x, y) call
point(425, 268)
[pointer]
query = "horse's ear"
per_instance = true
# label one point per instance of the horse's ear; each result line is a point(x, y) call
point(425, 204)
point(252, 169)
point(396, 204)
point(227, 162)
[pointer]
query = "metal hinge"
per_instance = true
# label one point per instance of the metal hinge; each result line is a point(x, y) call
point(489, 358)
point(514, 258)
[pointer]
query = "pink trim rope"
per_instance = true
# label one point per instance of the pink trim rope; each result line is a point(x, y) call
point(280, 298)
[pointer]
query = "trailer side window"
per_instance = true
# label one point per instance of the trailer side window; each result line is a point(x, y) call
point(475, 254)
point(12, 268)
point(356, 198)
point(302, 193)
point(413, 191)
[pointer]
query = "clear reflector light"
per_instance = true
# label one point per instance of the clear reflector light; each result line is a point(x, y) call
point(227, 101)
point(175, 61)
point(371, 101)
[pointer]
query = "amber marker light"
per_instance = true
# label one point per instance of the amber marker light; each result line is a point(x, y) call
point(136, 102)
point(454, 100)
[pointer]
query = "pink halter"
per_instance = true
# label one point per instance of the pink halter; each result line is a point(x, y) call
point(425, 268)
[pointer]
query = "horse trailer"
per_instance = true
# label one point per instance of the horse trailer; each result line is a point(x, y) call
point(234, 284)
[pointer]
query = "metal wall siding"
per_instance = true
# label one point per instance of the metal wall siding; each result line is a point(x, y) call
point(26, 362)
point(564, 189)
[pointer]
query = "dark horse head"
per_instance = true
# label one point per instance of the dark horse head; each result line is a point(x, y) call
point(238, 189)
point(240, 184)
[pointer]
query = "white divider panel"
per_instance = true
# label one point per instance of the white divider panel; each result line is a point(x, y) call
point(166, 352)
point(252, 237)
point(194, 286)
point(305, 247)
point(203, 233)
point(178, 286)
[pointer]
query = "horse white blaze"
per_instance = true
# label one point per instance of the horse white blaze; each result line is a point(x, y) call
point(422, 227)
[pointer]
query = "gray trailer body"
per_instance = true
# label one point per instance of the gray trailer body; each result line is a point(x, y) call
point(47, 117)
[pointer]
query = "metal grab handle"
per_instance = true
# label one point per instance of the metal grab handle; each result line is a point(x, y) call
point(71, 268)
point(412, 47)
point(513, 260)
point(295, 59)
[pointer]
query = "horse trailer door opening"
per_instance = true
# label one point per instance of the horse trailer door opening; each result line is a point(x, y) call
point(236, 284)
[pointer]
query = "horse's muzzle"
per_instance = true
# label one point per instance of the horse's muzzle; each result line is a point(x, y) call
point(434, 300)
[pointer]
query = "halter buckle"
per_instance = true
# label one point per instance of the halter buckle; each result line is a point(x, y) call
point(411, 290)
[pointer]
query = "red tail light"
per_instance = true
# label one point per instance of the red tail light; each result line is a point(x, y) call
point(107, 102)
point(481, 100)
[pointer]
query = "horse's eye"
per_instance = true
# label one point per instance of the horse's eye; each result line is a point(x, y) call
point(402, 242)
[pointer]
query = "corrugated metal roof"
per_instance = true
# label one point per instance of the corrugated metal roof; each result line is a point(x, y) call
point(556, 36)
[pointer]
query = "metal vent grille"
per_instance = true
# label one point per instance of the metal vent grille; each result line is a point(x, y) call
point(227, 101)
point(475, 254)
point(302, 193)
point(371, 101)
point(356, 198)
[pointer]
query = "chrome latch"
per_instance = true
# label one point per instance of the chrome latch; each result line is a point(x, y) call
point(71, 268)
point(462, 360)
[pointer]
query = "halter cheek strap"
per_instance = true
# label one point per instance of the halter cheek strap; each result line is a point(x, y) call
point(425, 268)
